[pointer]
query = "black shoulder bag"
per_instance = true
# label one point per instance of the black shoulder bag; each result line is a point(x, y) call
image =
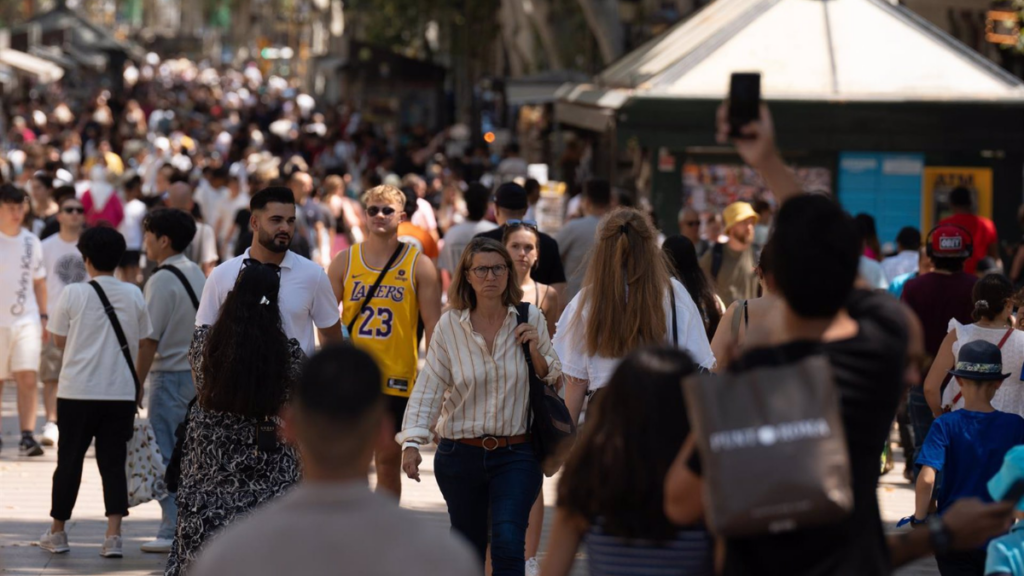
point(551, 425)
point(370, 292)
point(173, 474)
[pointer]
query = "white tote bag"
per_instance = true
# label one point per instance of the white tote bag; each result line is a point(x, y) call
point(145, 466)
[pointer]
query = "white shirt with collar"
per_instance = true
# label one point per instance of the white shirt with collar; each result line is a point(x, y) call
point(306, 297)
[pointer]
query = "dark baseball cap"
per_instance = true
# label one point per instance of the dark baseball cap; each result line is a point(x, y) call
point(511, 196)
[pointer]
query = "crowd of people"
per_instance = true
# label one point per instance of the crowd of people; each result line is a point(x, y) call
point(274, 271)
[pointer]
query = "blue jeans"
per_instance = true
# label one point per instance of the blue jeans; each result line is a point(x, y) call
point(920, 421)
point(170, 393)
point(490, 489)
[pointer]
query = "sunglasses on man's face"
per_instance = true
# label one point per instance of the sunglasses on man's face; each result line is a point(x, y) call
point(374, 210)
point(73, 210)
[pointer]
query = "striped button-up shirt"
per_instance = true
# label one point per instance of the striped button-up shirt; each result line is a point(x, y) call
point(469, 390)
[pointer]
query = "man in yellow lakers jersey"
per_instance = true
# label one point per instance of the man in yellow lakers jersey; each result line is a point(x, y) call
point(385, 326)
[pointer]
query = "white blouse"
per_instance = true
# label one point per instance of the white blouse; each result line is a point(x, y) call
point(470, 391)
point(597, 370)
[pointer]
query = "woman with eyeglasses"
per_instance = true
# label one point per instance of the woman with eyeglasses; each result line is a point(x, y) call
point(243, 367)
point(628, 300)
point(475, 386)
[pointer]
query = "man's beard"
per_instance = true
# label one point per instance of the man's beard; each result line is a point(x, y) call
point(270, 243)
point(743, 237)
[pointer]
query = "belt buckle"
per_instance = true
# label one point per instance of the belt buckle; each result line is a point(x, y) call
point(483, 442)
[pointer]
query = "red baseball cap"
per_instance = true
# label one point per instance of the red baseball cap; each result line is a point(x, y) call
point(950, 241)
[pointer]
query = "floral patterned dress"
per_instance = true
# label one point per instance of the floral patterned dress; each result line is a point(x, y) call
point(223, 476)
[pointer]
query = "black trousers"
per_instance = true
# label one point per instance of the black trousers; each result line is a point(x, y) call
point(971, 563)
point(111, 423)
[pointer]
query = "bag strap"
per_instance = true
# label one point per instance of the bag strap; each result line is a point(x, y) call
point(1009, 332)
point(380, 278)
point(672, 304)
point(736, 318)
point(121, 338)
point(184, 282)
point(717, 255)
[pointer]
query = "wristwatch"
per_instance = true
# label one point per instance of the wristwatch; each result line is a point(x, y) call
point(938, 536)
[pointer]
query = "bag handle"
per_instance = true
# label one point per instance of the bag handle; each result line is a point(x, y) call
point(121, 338)
point(1009, 332)
point(184, 282)
point(672, 304)
point(380, 278)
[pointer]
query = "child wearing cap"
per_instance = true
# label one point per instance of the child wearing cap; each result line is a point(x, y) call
point(967, 446)
point(1006, 553)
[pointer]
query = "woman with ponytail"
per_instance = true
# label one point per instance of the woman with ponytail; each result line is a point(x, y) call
point(243, 367)
point(994, 299)
point(629, 300)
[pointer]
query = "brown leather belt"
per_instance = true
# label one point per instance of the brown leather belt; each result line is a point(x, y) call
point(494, 442)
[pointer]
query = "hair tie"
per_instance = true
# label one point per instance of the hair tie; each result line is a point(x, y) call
point(264, 301)
point(981, 304)
point(623, 229)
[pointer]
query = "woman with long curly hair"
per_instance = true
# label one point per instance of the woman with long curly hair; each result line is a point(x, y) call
point(628, 300)
point(244, 367)
point(611, 494)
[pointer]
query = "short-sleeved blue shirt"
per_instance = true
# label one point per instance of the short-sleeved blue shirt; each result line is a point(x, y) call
point(968, 448)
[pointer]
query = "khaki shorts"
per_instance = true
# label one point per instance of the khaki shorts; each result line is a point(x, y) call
point(50, 362)
point(20, 348)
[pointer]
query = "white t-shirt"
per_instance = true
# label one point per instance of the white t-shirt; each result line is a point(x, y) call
point(21, 264)
point(569, 341)
point(424, 217)
point(64, 265)
point(94, 367)
point(306, 297)
point(131, 226)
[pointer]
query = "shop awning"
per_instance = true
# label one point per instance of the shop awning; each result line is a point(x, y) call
point(43, 70)
point(539, 88)
point(589, 107)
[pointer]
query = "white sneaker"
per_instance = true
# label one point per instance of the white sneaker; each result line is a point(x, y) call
point(532, 567)
point(158, 546)
point(111, 547)
point(50, 434)
point(55, 543)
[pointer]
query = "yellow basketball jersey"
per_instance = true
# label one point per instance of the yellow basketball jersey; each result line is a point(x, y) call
point(386, 327)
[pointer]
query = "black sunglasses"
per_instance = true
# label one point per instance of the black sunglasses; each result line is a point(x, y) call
point(374, 210)
point(528, 223)
point(72, 210)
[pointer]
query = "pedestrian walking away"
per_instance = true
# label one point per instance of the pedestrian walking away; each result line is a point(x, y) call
point(96, 392)
point(337, 418)
point(232, 461)
point(22, 302)
point(610, 496)
point(385, 287)
point(163, 355)
point(628, 273)
point(485, 464)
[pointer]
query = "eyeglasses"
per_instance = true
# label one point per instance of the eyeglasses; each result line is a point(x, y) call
point(254, 262)
point(527, 223)
point(374, 210)
point(692, 223)
point(73, 210)
point(481, 271)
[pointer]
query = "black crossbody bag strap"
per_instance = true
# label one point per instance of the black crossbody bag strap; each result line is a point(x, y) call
point(672, 303)
point(121, 338)
point(184, 282)
point(369, 294)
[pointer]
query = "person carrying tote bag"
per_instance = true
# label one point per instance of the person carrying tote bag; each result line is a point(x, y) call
point(99, 325)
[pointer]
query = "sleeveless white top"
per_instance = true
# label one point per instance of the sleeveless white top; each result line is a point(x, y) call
point(1010, 397)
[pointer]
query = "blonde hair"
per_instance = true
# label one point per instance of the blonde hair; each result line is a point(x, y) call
point(385, 193)
point(461, 295)
point(625, 286)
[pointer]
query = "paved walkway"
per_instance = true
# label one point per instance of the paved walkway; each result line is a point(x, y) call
point(25, 498)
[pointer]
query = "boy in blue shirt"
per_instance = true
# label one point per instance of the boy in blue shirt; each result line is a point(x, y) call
point(967, 446)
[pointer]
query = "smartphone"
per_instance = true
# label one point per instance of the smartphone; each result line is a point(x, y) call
point(744, 101)
point(1015, 492)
